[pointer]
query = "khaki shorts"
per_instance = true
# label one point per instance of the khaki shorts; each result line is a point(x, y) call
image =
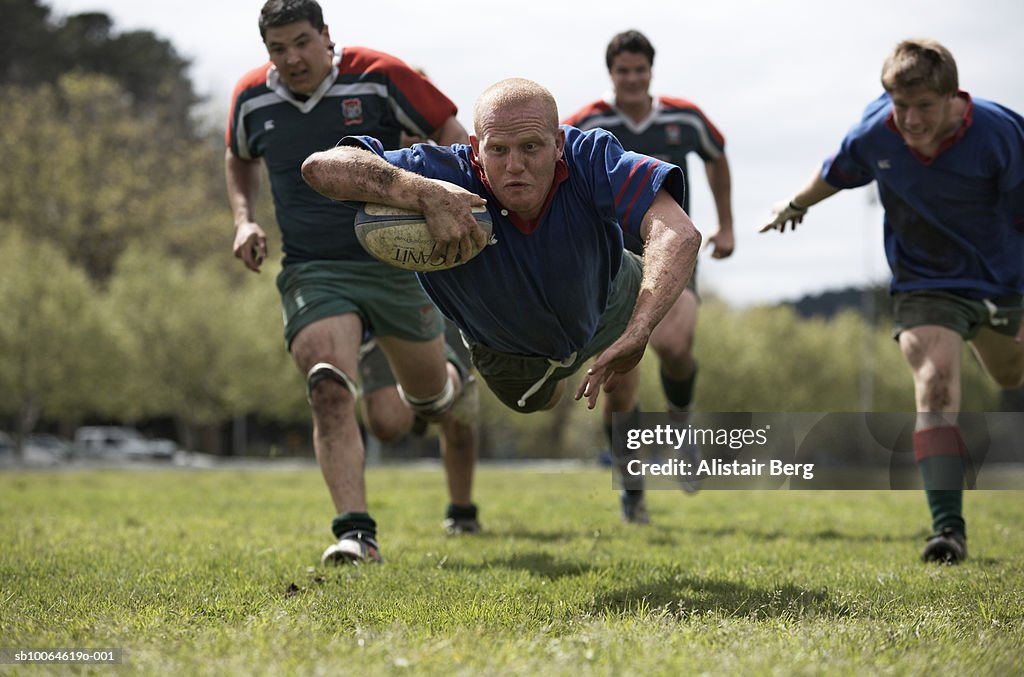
point(389, 301)
point(960, 314)
point(510, 377)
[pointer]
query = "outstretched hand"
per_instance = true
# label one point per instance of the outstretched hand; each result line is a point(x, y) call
point(784, 213)
point(619, 358)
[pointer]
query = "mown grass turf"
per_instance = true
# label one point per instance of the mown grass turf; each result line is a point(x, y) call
point(216, 572)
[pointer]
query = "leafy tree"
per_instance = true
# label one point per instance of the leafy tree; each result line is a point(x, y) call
point(58, 350)
point(269, 385)
point(195, 352)
point(27, 54)
point(86, 174)
point(768, 359)
point(35, 48)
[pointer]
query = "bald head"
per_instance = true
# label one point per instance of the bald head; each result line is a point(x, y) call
point(518, 143)
point(510, 95)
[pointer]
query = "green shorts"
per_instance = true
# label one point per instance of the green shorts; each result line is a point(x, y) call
point(389, 301)
point(375, 371)
point(510, 377)
point(960, 314)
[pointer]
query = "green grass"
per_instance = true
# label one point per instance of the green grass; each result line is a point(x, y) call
point(216, 572)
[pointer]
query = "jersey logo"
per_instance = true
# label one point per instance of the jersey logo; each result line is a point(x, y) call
point(352, 111)
point(673, 134)
point(884, 164)
point(268, 125)
point(427, 317)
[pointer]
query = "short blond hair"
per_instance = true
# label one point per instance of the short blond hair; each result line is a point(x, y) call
point(920, 62)
point(514, 92)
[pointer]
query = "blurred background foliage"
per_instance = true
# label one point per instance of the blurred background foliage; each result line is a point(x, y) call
point(121, 301)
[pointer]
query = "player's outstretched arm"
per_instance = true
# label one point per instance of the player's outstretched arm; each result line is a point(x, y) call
point(351, 173)
point(791, 212)
point(670, 253)
point(243, 181)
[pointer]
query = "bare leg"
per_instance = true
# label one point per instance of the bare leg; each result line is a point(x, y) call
point(336, 439)
point(460, 443)
point(933, 354)
point(673, 338)
point(1002, 357)
point(423, 370)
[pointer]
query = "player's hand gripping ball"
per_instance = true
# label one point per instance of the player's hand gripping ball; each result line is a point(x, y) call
point(400, 238)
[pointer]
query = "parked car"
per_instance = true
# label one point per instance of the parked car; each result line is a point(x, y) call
point(36, 450)
point(46, 448)
point(120, 442)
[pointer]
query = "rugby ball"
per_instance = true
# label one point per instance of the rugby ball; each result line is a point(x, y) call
point(399, 237)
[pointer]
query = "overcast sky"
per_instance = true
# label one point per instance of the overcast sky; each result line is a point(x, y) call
point(782, 80)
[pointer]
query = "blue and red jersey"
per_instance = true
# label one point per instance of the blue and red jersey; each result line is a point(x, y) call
point(955, 221)
point(672, 130)
point(541, 287)
point(367, 92)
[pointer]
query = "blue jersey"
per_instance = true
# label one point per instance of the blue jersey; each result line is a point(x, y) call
point(672, 130)
point(540, 289)
point(367, 92)
point(953, 222)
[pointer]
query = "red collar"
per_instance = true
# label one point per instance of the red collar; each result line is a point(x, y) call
point(525, 226)
point(948, 142)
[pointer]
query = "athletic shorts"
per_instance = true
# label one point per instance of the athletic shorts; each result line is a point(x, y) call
point(375, 370)
point(963, 315)
point(389, 301)
point(510, 376)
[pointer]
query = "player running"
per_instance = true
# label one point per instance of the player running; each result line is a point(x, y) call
point(950, 174)
point(670, 129)
point(332, 292)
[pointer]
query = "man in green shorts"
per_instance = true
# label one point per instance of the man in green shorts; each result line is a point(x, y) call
point(671, 129)
point(333, 293)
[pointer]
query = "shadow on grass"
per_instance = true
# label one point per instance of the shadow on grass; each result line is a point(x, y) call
point(684, 595)
point(675, 591)
point(984, 561)
point(665, 535)
point(774, 535)
point(531, 535)
point(537, 563)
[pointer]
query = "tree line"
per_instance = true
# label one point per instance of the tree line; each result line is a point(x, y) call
point(200, 344)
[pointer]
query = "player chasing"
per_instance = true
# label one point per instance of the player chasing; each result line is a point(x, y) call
point(950, 175)
point(332, 293)
point(556, 287)
point(669, 129)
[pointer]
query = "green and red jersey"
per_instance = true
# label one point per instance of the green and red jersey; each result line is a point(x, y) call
point(673, 129)
point(367, 92)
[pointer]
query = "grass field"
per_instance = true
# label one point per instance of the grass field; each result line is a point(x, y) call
point(216, 572)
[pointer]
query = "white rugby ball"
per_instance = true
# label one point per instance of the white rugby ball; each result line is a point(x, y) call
point(399, 237)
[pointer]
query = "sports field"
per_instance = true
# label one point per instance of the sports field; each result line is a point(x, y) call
point(216, 572)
